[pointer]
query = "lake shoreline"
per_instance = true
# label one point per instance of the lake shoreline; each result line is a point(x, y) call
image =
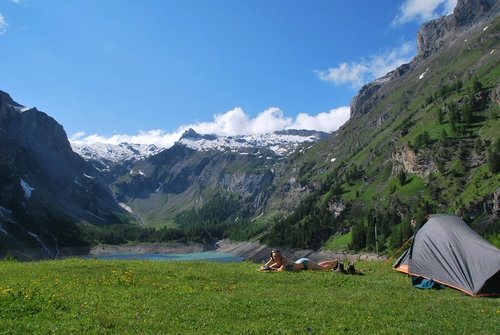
point(259, 253)
point(151, 248)
point(250, 251)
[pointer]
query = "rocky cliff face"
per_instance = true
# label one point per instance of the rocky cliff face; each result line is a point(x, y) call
point(436, 34)
point(432, 37)
point(181, 178)
point(409, 161)
point(44, 181)
point(157, 184)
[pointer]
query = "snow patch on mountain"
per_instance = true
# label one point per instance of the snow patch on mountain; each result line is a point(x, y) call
point(125, 207)
point(282, 143)
point(110, 154)
point(5, 216)
point(423, 74)
point(27, 189)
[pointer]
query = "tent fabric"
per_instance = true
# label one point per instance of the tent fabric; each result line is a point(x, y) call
point(446, 250)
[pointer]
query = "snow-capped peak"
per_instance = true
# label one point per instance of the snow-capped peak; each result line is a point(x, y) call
point(282, 143)
point(111, 154)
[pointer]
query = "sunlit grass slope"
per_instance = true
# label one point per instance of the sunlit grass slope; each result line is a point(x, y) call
point(77, 296)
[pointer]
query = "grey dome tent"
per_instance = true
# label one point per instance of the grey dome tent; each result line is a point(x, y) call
point(446, 250)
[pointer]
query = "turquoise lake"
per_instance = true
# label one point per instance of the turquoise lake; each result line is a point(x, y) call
point(206, 256)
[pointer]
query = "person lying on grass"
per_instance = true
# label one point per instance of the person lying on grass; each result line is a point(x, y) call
point(278, 262)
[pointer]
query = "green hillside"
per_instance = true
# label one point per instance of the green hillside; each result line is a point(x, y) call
point(430, 142)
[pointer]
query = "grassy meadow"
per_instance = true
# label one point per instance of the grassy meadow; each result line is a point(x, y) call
point(77, 296)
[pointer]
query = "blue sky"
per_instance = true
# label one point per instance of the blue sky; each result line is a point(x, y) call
point(146, 70)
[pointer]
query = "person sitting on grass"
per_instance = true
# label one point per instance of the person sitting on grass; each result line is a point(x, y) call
point(278, 262)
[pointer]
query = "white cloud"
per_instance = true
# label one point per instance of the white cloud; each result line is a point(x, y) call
point(78, 135)
point(157, 137)
point(270, 120)
point(328, 122)
point(423, 10)
point(356, 74)
point(233, 122)
point(3, 24)
point(353, 74)
point(384, 63)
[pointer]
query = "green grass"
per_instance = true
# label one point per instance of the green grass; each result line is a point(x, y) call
point(339, 242)
point(482, 183)
point(77, 296)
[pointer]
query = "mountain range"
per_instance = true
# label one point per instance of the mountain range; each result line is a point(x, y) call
point(280, 143)
point(424, 138)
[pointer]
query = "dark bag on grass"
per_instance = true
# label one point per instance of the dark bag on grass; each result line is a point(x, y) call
point(424, 283)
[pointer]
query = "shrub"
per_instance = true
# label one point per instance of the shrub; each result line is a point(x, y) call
point(457, 169)
point(402, 177)
point(493, 157)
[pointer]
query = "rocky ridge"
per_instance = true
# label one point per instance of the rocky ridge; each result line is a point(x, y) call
point(432, 37)
point(45, 188)
point(104, 156)
point(279, 143)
